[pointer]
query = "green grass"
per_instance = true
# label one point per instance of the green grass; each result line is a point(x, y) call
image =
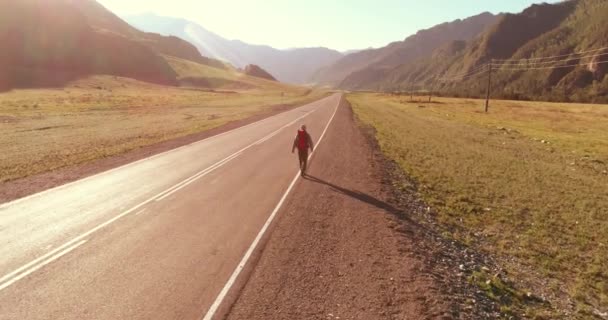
point(46, 129)
point(527, 181)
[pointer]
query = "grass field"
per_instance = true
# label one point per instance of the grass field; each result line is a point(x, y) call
point(101, 116)
point(527, 182)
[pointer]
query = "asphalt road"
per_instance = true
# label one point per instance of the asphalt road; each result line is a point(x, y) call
point(161, 238)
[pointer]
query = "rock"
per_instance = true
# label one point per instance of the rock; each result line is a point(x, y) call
point(600, 314)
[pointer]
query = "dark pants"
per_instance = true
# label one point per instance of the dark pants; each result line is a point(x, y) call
point(303, 155)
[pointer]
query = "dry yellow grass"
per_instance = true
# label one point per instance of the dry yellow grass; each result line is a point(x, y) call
point(46, 129)
point(528, 181)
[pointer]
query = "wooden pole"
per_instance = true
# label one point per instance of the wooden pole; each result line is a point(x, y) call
point(412, 92)
point(431, 91)
point(489, 85)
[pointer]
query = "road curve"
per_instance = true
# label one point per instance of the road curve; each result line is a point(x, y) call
point(156, 239)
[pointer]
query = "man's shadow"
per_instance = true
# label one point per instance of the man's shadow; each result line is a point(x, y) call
point(409, 226)
point(359, 196)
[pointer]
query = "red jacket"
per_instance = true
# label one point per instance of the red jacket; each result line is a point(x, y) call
point(303, 141)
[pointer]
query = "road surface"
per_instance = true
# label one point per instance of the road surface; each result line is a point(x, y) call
point(161, 238)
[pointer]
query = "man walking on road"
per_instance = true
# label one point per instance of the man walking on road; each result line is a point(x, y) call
point(303, 142)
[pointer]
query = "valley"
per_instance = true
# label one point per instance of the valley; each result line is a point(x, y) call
point(455, 169)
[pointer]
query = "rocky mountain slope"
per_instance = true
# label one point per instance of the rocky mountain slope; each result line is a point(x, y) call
point(50, 42)
point(547, 52)
point(368, 66)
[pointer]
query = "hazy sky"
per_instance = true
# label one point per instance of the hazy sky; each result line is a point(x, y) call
point(337, 24)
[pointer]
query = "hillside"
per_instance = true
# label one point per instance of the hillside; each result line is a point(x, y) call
point(50, 42)
point(369, 65)
point(256, 71)
point(103, 19)
point(293, 66)
point(544, 30)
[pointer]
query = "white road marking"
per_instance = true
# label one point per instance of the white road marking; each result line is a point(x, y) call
point(34, 265)
point(203, 173)
point(222, 295)
point(78, 238)
point(198, 176)
point(140, 212)
point(40, 265)
point(16, 201)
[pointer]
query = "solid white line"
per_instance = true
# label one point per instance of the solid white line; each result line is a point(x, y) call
point(196, 176)
point(16, 201)
point(51, 259)
point(222, 295)
point(78, 238)
point(203, 173)
point(268, 138)
point(215, 167)
point(32, 263)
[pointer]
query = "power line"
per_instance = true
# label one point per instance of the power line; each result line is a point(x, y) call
point(482, 70)
point(464, 74)
point(523, 65)
point(553, 57)
point(549, 67)
point(557, 61)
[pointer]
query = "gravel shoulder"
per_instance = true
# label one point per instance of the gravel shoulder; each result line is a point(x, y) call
point(347, 246)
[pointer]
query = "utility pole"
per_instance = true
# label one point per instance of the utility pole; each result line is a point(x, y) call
point(431, 91)
point(412, 91)
point(489, 84)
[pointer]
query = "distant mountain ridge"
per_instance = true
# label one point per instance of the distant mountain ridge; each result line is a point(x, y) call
point(50, 42)
point(358, 66)
point(293, 65)
point(542, 30)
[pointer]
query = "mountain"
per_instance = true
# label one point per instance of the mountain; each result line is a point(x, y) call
point(256, 71)
point(544, 30)
point(50, 42)
point(292, 65)
point(369, 65)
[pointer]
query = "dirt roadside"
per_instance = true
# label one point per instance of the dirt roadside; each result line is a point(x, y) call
point(341, 250)
point(16, 189)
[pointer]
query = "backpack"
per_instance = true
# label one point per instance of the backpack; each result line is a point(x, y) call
point(302, 140)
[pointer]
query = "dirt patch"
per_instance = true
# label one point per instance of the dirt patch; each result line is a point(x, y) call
point(8, 119)
point(20, 188)
point(348, 245)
